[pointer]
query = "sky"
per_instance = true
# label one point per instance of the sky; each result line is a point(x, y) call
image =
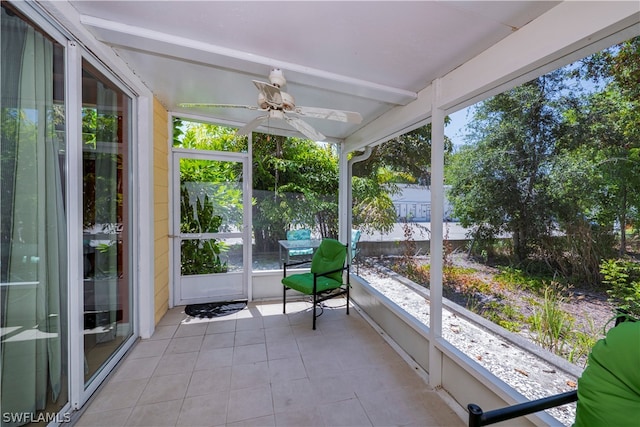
point(456, 129)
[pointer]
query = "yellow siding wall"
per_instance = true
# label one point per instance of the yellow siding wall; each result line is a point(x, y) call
point(161, 208)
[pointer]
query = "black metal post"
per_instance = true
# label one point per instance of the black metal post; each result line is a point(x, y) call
point(479, 418)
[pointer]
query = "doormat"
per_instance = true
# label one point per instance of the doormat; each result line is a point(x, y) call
point(215, 309)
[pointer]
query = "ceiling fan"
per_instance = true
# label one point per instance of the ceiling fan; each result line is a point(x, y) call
point(278, 104)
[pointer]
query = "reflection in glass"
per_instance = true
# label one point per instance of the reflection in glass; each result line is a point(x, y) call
point(105, 166)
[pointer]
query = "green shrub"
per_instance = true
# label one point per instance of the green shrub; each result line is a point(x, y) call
point(551, 325)
point(623, 278)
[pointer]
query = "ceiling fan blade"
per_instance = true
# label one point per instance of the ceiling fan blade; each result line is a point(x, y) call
point(205, 105)
point(326, 113)
point(305, 129)
point(249, 127)
point(270, 92)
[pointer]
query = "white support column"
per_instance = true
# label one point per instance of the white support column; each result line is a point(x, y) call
point(143, 221)
point(344, 186)
point(436, 243)
point(364, 156)
point(73, 96)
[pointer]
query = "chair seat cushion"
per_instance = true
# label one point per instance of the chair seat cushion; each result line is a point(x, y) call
point(303, 282)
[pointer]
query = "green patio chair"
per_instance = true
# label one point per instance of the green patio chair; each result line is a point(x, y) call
point(325, 280)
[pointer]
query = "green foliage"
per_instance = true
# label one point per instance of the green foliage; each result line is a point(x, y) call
point(513, 278)
point(581, 343)
point(501, 183)
point(295, 183)
point(623, 278)
point(200, 256)
point(550, 324)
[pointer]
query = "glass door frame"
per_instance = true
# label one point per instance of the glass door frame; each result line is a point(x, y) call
point(80, 390)
point(178, 154)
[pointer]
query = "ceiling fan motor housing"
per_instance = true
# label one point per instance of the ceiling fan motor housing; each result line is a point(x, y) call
point(276, 77)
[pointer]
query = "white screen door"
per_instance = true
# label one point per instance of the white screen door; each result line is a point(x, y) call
point(209, 227)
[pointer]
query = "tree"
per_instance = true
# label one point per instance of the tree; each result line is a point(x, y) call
point(610, 122)
point(404, 159)
point(295, 183)
point(501, 184)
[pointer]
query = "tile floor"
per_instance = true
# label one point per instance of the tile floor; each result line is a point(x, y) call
point(259, 367)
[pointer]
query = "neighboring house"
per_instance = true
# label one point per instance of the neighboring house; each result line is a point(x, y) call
point(413, 203)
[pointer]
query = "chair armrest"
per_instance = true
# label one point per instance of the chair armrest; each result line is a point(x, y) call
point(290, 264)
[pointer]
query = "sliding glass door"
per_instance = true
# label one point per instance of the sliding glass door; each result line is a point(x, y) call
point(33, 252)
point(107, 285)
point(66, 283)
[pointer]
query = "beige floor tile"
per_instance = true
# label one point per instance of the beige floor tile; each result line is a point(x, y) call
point(248, 403)
point(134, 369)
point(306, 417)
point(176, 363)
point(250, 336)
point(206, 410)
point(344, 413)
point(287, 369)
point(148, 348)
point(220, 325)
point(267, 421)
point(173, 317)
point(276, 321)
point(252, 321)
point(117, 395)
point(273, 310)
point(315, 344)
point(439, 413)
point(300, 417)
point(249, 375)
point(332, 387)
point(165, 388)
point(114, 418)
point(342, 374)
point(369, 378)
point(163, 332)
point(216, 358)
point(293, 395)
point(155, 414)
point(279, 333)
point(191, 329)
point(218, 340)
point(184, 344)
point(282, 349)
point(249, 354)
point(393, 408)
point(209, 381)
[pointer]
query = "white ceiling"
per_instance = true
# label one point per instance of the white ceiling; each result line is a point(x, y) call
point(369, 57)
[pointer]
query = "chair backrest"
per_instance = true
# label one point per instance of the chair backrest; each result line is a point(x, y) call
point(330, 255)
point(300, 234)
point(355, 237)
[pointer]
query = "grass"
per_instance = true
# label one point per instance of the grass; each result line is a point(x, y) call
point(550, 325)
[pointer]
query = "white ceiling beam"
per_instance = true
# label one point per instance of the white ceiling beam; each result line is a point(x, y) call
point(564, 34)
point(162, 44)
